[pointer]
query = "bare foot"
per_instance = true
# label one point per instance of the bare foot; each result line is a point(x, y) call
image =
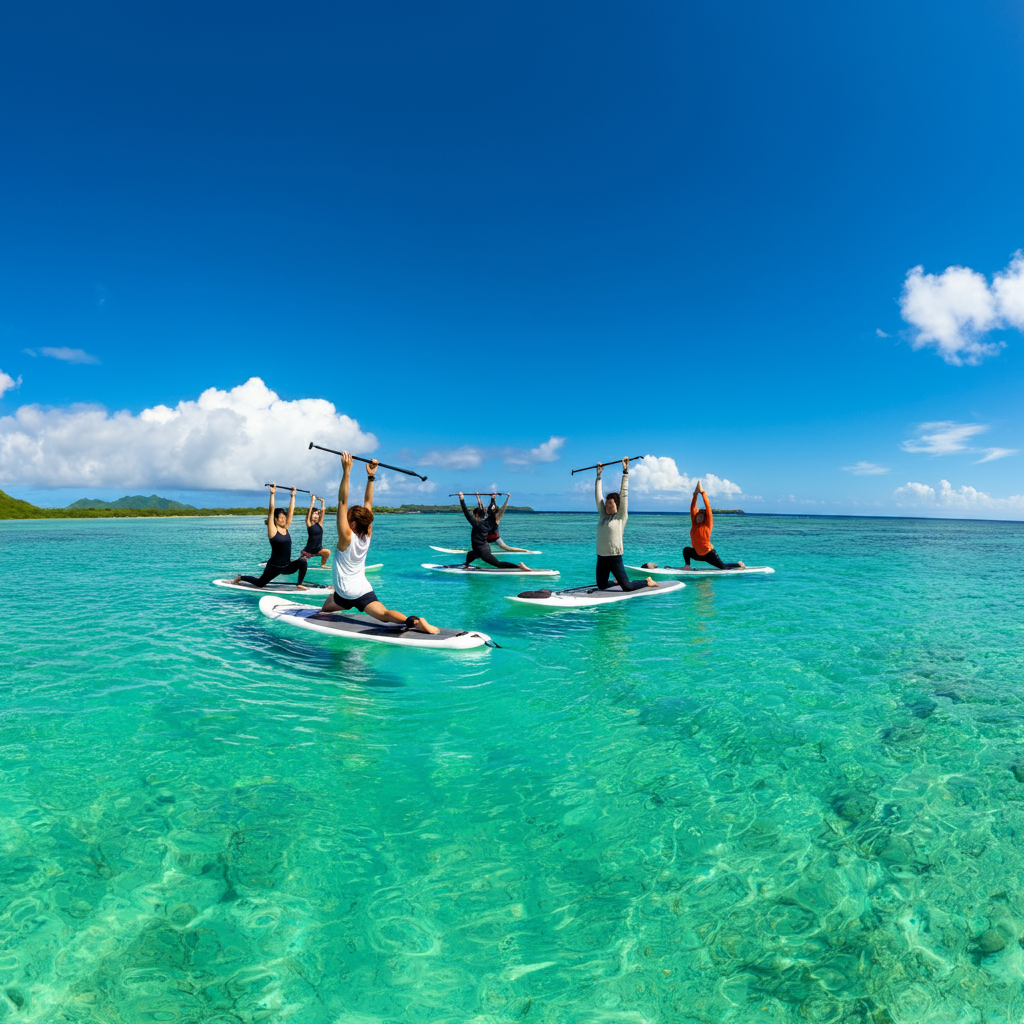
point(425, 627)
point(651, 582)
point(237, 579)
point(301, 586)
point(743, 565)
point(524, 567)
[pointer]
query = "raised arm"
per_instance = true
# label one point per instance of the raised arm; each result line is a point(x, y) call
point(309, 511)
point(693, 500)
point(598, 491)
point(344, 530)
point(271, 527)
point(501, 511)
point(623, 491)
point(291, 510)
point(371, 475)
point(707, 506)
point(465, 511)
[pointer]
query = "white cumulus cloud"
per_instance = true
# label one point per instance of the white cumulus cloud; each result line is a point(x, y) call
point(8, 383)
point(546, 452)
point(962, 499)
point(865, 469)
point(466, 457)
point(943, 438)
point(955, 309)
point(224, 440)
point(659, 476)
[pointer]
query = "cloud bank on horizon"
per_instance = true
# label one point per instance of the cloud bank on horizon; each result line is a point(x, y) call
point(955, 309)
point(948, 499)
point(224, 440)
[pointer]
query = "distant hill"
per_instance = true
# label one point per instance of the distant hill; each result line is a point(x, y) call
point(133, 501)
point(15, 508)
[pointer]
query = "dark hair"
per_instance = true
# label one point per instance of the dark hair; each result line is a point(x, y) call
point(479, 512)
point(615, 495)
point(360, 518)
point(280, 512)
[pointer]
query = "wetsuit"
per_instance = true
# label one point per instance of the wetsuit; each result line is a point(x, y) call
point(479, 547)
point(492, 519)
point(280, 562)
point(609, 540)
point(314, 540)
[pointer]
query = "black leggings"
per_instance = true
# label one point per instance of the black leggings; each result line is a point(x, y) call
point(612, 565)
point(484, 554)
point(300, 565)
point(711, 558)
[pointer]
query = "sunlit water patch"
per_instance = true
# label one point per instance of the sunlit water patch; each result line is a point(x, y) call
point(790, 798)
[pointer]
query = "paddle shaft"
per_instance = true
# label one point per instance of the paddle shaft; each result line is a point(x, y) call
point(383, 465)
point(475, 493)
point(283, 488)
point(611, 462)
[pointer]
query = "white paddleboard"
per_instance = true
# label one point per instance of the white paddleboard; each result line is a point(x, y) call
point(327, 568)
point(709, 571)
point(497, 551)
point(583, 597)
point(363, 627)
point(486, 570)
point(274, 587)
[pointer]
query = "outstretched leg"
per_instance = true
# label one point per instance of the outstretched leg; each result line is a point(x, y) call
point(269, 573)
point(504, 547)
point(382, 614)
point(486, 556)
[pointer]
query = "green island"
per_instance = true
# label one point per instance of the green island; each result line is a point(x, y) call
point(138, 506)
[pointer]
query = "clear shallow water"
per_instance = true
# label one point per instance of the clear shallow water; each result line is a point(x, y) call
point(784, 798)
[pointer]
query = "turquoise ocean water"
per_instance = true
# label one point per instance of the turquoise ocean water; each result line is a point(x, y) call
point(788, 798)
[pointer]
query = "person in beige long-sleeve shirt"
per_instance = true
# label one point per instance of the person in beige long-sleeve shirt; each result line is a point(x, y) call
point(613, 515)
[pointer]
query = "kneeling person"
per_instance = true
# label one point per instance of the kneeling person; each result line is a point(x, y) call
point(355, 527)
point(700, 535)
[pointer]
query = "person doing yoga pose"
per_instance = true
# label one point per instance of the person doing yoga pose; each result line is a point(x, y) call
point(494, 515)
point(478, 544)
point(280, 562)
point(610, 525)
point(355, 527)
point(315, 533)
point(700, 535)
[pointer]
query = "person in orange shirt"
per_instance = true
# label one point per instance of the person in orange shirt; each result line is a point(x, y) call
point(700, 535)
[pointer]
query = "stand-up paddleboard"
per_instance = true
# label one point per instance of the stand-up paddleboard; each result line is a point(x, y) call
point(317, 590)
point(583, 597)
point(362, 627)
point(680, 570)
point(461, 569)
point(328, 567)
point(497, 551)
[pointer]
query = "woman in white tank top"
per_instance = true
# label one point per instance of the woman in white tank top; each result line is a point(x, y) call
point(355, 527)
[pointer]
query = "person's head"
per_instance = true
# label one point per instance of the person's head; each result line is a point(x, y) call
point(700, 516)
point(478, 512)
point(315, 515)
point(611, 503)
point(360, 518)
point(281, 518)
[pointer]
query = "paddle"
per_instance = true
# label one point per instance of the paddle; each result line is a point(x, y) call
point(474, 493)
point(383, 465)
point(283, 488)
point(610, 462)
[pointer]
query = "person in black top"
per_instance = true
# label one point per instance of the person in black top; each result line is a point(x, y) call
point(478, 545)
point(315, 533)
point(280, 562)
point(494, 515)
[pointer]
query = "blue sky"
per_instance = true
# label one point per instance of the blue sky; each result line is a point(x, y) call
point(677, 229)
